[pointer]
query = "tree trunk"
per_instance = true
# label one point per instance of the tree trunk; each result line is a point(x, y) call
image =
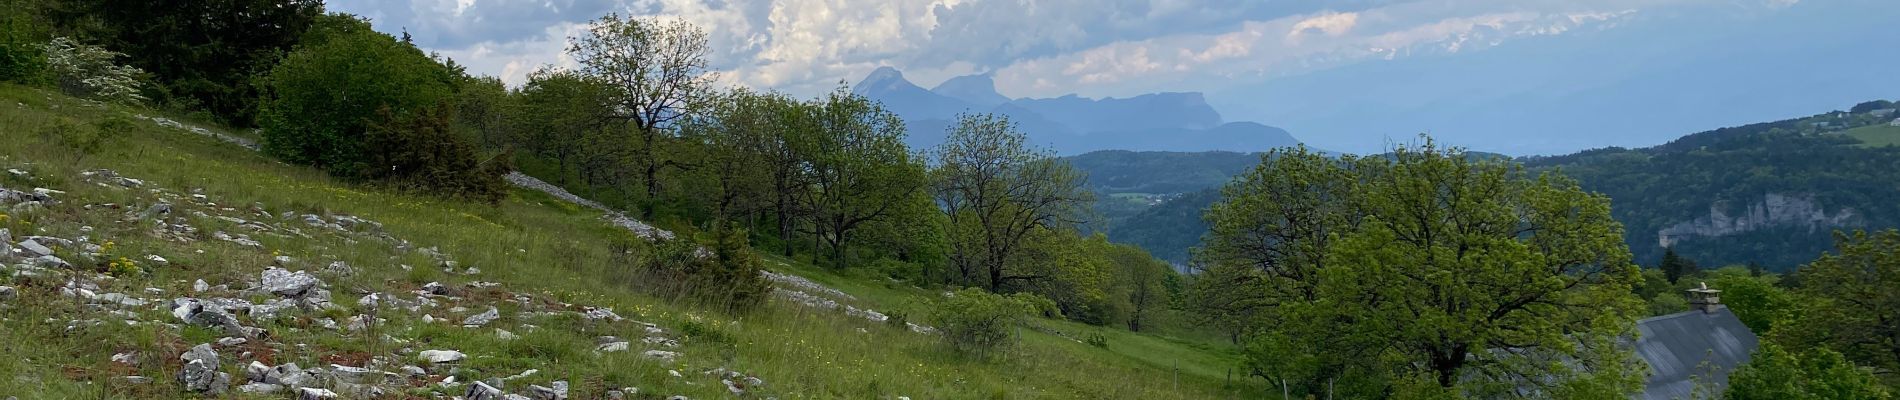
point(1447, 363)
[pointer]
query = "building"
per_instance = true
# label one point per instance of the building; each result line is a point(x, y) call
point(1896, 122)
point(1699, 346)
point(1881, 113)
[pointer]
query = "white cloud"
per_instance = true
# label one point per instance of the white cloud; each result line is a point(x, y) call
point(1035, 47)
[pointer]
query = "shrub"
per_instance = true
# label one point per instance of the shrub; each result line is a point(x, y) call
point(727, 276)
point(85, 139)
point(323, 97)
point(1097, 340)
point(420, 153)
point(977, 321)
point(91, 72)
point(21, 62)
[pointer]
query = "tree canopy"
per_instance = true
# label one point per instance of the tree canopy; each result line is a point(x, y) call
point(1427, 272)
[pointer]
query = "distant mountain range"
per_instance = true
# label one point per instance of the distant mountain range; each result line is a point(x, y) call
point(1769, 193)
point(1070, 124)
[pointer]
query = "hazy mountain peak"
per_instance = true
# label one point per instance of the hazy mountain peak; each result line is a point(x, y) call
point(977, 89)
point(884, 79)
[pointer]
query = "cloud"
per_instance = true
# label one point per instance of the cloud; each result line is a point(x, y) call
point(1329, 24)
point(1035, 47)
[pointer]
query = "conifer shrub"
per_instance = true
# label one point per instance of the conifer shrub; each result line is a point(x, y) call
point(726, 275)
point(421, 153)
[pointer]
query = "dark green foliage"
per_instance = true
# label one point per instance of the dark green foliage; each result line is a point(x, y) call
point(421, 153)
point(1849, 302)
point(727, 276)
point(21, 58)
point(1406, 270)
point(1168, 229)
point(974, 321)
point(1733, 169)
point(1819, 374)
point(1675, 267)
point(703, 331)
point(203, 53)
point(1097, 340)
point(1120, 171)
point(1870, 106)
point(323, 96)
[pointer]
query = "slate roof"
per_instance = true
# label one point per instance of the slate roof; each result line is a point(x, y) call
point(1677, 345)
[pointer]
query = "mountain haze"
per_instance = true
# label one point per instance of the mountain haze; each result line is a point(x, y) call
point(1071, 124)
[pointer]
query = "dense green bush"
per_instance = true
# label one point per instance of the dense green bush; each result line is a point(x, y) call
point(363, 105)
point(20, 62)
point(422, 153)
point(727, 276)
point(322, 97)
point(975, 321)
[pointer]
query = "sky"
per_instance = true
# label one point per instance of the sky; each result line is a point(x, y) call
point(1258, 60)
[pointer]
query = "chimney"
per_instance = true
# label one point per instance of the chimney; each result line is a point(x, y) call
point(1705, 299)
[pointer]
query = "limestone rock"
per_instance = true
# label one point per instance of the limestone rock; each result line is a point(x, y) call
point(482, 391)
point(259, 388)
point(201, 374)
point(315, 394)
point(33, 248)
point(286, 283)
point(482, 319)
point(442, 356)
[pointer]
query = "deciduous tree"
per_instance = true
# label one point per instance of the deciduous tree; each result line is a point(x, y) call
point(657, 68)
point(996, 190)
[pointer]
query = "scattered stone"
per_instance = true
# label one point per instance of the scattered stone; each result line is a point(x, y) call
point(286, 283)
point(49, 261)
point(414, 371)
point(287, 375)
point(557, 392)
point(442, 356)
point(505, 335)
point(200, 313)
point(8, 293)
point(156, 260)
point(120, 299)
point(232, 341)
point(201, 374)
point(127, 358)
point(315, 394)
point(482, 391)
point(259, 388)
point(436, 288)
point(200, 286)
point(349, 374)
point(35, 249)
point(602, 313)
point(612, 347)
point(157, 211)
point(340, 268)
point(256, 372)
point(482, 319)
point(662, 355)
point(135, 380)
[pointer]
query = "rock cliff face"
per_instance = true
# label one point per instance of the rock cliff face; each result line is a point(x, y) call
point(1772, 211)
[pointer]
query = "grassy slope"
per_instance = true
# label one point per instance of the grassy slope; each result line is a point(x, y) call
point(1875, 135)
point(530, 244)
